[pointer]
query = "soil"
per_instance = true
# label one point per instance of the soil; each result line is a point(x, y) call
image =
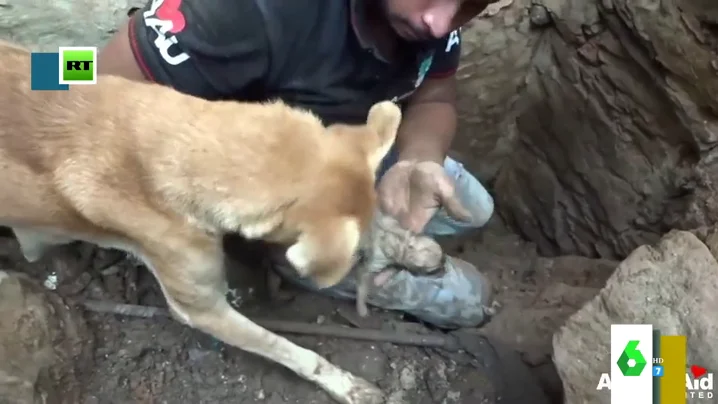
point(158, 360)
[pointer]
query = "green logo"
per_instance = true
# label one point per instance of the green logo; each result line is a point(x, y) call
point(78, 65)
point(424, 69)
point(631, 362)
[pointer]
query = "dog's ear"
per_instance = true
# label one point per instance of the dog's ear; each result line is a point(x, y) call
point(383, 119)
point(325, 250)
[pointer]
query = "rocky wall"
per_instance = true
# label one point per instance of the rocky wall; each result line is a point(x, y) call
point(617, 125)
point(671, 285)
point(46, 24)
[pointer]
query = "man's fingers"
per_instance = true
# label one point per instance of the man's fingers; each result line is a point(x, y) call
point(455, 209)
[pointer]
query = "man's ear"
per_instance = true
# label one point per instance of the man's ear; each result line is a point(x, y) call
point(384, 119)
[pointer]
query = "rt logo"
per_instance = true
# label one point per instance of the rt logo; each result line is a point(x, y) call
point(77, 65)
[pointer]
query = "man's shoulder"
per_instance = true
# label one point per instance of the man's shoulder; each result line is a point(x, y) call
point(299, 13)
point(299, 30)
point(211, 26)
point(301, 19)
point(217, 27)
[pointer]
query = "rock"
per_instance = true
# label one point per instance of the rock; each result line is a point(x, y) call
point(43, 344)
point(671, 285)
point(540, 16)
point(616, 124)
point(711, 241)
point(43, 25)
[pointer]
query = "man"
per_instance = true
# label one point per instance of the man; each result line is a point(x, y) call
point(336, 58)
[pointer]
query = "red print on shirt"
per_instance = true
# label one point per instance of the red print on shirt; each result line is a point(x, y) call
point(169, 10)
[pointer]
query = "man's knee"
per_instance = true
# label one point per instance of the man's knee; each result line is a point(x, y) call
point(472, 194)
point(477, 200)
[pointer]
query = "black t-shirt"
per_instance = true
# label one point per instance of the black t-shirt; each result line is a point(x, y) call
point(305, 52)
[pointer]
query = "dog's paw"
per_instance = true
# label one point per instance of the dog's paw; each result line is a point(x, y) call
point(363, 392)
point(344, 387)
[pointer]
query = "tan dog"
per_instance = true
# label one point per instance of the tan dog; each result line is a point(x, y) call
point(162, 175)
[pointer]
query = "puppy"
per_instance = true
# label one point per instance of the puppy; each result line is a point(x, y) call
point(388, 244)
point(162, 175)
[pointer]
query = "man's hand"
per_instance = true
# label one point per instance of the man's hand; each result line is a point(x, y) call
point(413, 192)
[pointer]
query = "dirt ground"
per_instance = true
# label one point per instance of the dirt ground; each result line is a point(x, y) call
point(157, 360)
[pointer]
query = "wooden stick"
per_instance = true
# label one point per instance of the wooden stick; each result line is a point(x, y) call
point(292, 327)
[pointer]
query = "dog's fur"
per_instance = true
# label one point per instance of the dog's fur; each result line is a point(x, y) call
point(162, 175)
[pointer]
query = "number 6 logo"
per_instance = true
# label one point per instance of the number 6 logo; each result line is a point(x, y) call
point(631, 362)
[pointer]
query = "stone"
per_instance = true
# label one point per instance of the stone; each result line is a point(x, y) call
point(43, 25)
point(540, 17)
point(44, 344)
point(671, 285)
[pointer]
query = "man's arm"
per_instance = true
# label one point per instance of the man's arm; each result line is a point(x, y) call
point(207, 48)
point(429, 123)
point(430, 118)
point(116, 57)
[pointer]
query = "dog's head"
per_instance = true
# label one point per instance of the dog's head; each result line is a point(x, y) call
point(342, 209)
point(373, 140)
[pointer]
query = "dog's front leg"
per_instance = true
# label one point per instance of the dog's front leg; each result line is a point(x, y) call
point(191, 277)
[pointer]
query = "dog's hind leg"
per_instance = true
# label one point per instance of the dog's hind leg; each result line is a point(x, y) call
point(34, 244)
point(191, 275)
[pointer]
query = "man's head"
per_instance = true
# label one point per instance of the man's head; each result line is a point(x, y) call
point(418, 20)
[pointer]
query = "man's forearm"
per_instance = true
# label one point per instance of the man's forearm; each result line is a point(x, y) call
point(427, 131)
point(429, 122)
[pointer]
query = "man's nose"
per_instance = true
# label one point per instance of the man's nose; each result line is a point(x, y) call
point(438, 18)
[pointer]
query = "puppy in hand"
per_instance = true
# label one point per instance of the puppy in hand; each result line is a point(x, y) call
point(388, 244)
